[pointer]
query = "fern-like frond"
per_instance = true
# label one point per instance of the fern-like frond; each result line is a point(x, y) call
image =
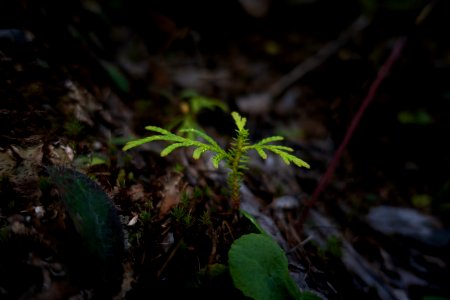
point(236, 156)
point(164, 136)
point(138, 142)
point(269, 140)
point(288, 158)
point(260, 147)
point(179, 142)
point(166, 151)
point(206, 137)
point(278, 147)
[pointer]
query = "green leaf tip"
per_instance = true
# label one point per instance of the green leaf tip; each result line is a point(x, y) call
point(240, 121)
point(198, 152)
point(132, 144)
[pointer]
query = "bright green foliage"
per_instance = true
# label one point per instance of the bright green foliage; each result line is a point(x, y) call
point(259, 268)
point(235, 157)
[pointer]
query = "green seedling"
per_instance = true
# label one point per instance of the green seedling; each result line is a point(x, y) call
point(181, 215)
point(235, 156)
point(182, 212)
point(205, 218)
point(192, 104)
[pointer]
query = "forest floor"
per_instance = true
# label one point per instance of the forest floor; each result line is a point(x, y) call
point(80, 79)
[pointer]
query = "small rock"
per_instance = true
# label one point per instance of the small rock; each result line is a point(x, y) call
point(410, 223)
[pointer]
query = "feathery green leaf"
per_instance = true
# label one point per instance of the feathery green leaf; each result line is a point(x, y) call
point(206, 137)
point(288, 158)
point(136, 143)
point(269, 140)
point(278, 147)
point(166, 151)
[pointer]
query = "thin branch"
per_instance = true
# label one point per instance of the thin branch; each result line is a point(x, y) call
point(382, 73)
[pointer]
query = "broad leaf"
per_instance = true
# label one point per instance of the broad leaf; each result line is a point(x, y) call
point(95, 219)
point(259, 268)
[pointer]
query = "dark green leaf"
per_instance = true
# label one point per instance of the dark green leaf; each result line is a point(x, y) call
point(259, 268)
point(94, 217)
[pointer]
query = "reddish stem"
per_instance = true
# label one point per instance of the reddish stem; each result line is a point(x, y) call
point(382, 73)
